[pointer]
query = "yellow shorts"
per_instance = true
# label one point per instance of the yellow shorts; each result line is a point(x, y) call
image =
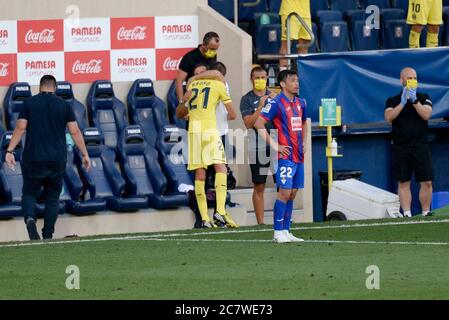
point(205, 149)
point(297, 30)
point(425, 12)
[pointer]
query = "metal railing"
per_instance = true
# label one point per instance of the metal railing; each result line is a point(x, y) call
point(289, 56)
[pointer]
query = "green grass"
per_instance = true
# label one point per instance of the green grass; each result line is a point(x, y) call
point(235, 266)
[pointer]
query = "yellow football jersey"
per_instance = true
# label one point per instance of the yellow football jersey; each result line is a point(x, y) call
point(206, 94)
point(302, 7)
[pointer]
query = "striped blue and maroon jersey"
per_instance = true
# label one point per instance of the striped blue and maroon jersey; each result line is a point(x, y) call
point(288, 118)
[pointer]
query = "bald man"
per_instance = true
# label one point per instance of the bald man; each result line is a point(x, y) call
point(408, 112)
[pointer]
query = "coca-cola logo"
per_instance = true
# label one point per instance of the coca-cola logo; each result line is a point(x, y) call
point(91, 67)
point(3, 34)
point(136, 34)
point(177, 28)
point(4, 69)
point(44, 37)
point(171, 64)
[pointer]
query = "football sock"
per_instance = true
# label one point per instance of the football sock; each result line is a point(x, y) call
point(221, 187)
point(414, 39)
point(432, 40)
point(200, 194)
point(279, 211)
point(288, 215)
point(407, 213)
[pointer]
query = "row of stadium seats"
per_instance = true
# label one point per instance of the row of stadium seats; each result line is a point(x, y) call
point(340, 26)
point(133, 166)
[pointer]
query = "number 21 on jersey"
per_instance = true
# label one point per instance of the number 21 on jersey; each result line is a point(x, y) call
point(195, 97)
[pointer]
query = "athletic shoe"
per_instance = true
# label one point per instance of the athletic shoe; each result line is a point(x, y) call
point(32, 230)
point(428, 214)
point(280, 237)
point(224, 219)
point(208, 225)
point(291, 237)
point(407, 215)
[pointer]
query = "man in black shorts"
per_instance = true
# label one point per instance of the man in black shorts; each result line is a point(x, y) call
point(259, 151)
point(408, 112)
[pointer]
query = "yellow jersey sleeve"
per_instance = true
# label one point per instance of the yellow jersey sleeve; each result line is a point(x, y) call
point(223, 92)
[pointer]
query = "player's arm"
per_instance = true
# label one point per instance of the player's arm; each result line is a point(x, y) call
point(250, 120)
point(181, 76)
point(262, 131)
point(392, 110)
point(182, 111)
point(231, 111)
point(208, 75)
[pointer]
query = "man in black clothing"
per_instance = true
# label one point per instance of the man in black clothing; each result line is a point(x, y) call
point(205, 53)
point(408, 112)
point(44, 117)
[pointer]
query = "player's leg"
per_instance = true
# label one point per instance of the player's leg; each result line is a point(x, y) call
point(284, 181)
point(298, 183)
point(402, 168)
point(200, 193)
point(294, 32)
point(221, 188)
point(423, 168)
point(417, 18)
point(405, 197)
point(435, 19)
point(304, 37)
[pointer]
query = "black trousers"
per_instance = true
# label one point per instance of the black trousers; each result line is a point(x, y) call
point(42, 179)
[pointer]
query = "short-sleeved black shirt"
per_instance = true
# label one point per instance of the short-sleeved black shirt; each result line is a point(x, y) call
point(192, 59)
point(47, 117)
point(409, 128)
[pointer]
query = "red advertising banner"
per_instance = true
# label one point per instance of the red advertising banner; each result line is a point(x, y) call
point(84, 67)
point(8, 69)
point(132, 33)
point(167, 62)
point(40, 35)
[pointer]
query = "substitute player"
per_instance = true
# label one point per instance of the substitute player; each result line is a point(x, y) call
point(421, 13)
point(288, 115)
point(205, 145)
point(297, 30)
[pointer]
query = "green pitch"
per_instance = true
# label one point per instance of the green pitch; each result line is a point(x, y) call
point(412, 257)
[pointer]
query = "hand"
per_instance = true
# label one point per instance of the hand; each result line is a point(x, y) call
point(412, 94)
point(284, 150)
point(404, 96)
point(186, 97)
point(262, 101)
point(86, 162)
point(273, 95)
point(10, 161)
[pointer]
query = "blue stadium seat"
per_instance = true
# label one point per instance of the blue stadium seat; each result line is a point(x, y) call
point(11, 181)
point(396, 34)
point(173, 148)
point(82, 199)
point(318, 5)
point(344, 5)
point(65, 91)
point(13, 101)
point(274, 6)
point(446, 34)
point(382, 4)
point(269, 39)
point(142, 171)
point(106, 112)
point(445, 2)
point(224, 7)
point(363, 37)
point(329, 16)
point(172, 104)
point(400, 4)
point(261, 19)
point(315, 47)
point(334, 37)
point(104, 180)
point(247, 8)
point(446, 14)
point(352, 16)
point(146, 109)
point(390, 14)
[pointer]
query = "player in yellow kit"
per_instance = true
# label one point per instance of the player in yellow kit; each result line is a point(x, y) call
point(297, 30)
point(421, 13)
point(205, 145)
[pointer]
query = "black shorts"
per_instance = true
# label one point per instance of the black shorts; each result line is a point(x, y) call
point(259, 171)
point(409, 160)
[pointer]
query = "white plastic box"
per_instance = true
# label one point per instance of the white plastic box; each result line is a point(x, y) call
point(358, 201)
